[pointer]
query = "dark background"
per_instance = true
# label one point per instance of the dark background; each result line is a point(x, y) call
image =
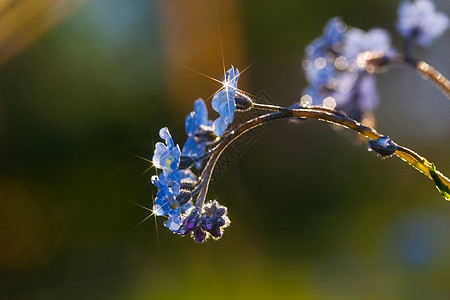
point(314, 215)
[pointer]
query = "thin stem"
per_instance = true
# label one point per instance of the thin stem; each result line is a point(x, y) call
point(407, 155)
point(326, 115)
point(435, 76)
point(279, 108)
point(197, 188)
point(230, 136)
point(408, 56)
point(428, 72)
point(266, 107)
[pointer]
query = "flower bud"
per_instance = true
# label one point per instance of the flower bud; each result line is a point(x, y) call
point(185, 162)
point(242, 101)
point(383, 146)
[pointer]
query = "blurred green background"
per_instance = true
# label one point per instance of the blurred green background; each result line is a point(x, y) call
point(314, 215)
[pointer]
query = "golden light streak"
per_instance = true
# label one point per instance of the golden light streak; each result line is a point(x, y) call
point(220, 36)
point(195, 71)
point(22, 22)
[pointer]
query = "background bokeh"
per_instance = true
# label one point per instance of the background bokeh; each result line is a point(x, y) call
point(314, 215)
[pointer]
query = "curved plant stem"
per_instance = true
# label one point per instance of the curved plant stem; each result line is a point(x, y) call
point(435, 76)
point(321, 114)
point(407, 155)
point(228, 137)
point(427, 71)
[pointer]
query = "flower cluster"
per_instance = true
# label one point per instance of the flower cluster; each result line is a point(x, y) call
point(174, 185)
point(177, 184)
point(199, 132)
point(337, 71)
point(339, 67)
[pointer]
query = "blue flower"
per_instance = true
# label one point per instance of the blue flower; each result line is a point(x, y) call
point(319, 63)
point(172, 198)
point(338, 75)
point(356, 94)
point(223, 101)
point(199, 132)
point(319, 72)
point(165, 195)
point(329, 41)
point(167, 156)
point(420, 21)
point(357, 41)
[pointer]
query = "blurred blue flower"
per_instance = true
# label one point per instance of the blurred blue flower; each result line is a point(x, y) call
point(199, 132)
point(223, 101)
point(356, 94)
point(320, 54)
point(167, 156)
point(338, 76)
point(329, 40)
point(357, 41)
point(420, 21)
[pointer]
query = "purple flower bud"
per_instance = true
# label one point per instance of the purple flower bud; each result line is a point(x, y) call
point(190, 222)
point(216, 232)
point(199, 235)
point(214, 219)
point(206, 223)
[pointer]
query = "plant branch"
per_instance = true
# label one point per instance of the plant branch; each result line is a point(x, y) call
point(322, 114)
point(435, 76)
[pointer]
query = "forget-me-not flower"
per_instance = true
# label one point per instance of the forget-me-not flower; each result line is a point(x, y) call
point(357, 41)
point(170, 183)
point(329, 40)
point(420, 21)
point(358, 96)
point(223, 101)
point(337, 72)
point(320, 57)
point(165, 201)
point(167, 156)
point(199, 132)
point(172, 198)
